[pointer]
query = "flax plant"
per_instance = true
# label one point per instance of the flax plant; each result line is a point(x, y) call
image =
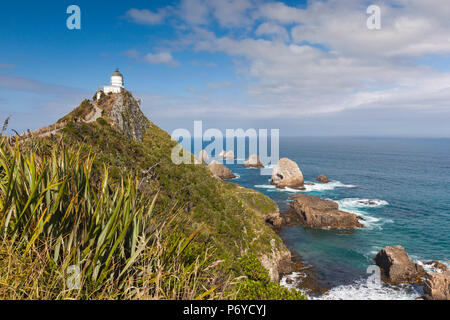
point(57, 212)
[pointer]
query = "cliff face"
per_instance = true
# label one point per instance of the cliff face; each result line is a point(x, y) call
point(123, 112)
point(123, 109)
point(120, 110)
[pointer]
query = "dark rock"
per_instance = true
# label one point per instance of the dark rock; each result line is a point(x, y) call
point(322, 214)
point(253, 162)
point(322, 178)
point(397, 267)
point(220, 171)
point(437, 265)
point(287, 174)
point(278, 262)
point(437, 286)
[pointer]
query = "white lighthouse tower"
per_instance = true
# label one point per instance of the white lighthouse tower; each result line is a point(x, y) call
point(116, 84)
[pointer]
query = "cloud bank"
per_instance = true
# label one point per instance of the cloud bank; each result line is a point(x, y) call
point(320, 58)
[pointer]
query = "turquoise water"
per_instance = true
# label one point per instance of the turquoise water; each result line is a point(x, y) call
point(409, 181)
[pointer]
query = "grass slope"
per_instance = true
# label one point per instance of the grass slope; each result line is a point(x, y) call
point(216, 218)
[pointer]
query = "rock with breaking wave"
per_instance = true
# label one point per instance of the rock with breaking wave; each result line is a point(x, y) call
point(322, 178)
point(436, 265)
point(287, 174)
point(437, 286)
point(397, 267)
point(253, 162)
point(228, 155)
point(220, 171)
point(203, 156)
point(317, 213)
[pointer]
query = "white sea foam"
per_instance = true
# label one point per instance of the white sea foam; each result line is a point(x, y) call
point(310, 187)
point(327, 186)
point(359, 290)
point(354, 205)
point(430, 268)
point(364, 290)
point(265, 186)
point(362, 203)
point(291, 280)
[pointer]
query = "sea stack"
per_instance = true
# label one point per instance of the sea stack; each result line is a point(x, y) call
point(323, 179)
point(397, 267)
point(253, 162)
point(317, 213)
point(287, 174)
point(229, 155)
point(220, 171)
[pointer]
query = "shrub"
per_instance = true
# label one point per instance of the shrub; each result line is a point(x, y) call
point(258, 286)
point(53, 214)
point(102, 121)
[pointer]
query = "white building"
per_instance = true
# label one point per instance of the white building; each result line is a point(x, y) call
point(116, 84)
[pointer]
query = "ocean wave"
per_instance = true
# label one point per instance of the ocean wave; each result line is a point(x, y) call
point(310, 187)
point(291, 280)
point(326, 186)
point(355, 205)
point(430, 268)
point(365, 290)
point(362, 203)
point(265, 186)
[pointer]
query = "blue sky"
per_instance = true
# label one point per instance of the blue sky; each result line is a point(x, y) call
point(308, 68)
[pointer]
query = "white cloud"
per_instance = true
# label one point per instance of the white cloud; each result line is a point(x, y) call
point(280, 12)
point(148, 17)
point(333, 62)
point(161, 58)
point(232, 13)
point(194, 11)
point(132, 53)
point(272, 29)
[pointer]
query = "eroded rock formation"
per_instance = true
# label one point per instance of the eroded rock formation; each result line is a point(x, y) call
point(398, 267)
point(287, 174)
point(317, 213)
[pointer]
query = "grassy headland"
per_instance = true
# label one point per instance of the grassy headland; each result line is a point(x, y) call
point(136, 225)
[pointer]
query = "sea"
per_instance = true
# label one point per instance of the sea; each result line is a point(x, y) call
point(399, 186)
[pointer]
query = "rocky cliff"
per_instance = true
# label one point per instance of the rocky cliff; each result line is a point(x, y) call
point(123, 111)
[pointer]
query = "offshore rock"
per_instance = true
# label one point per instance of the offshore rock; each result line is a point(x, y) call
point(287, 174)
point(397, 267)
point(220, 171)
point(253, 162)
point(317, 213)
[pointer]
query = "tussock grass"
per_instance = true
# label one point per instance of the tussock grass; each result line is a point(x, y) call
point(57, 215)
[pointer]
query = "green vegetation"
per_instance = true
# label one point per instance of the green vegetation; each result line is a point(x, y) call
point(258, 286)
point(53, 216)
point(138, 225)
point(79, 113)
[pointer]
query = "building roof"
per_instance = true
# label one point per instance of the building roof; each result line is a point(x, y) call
point(117, 73)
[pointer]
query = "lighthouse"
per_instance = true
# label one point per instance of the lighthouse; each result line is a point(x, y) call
point(116, 84)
